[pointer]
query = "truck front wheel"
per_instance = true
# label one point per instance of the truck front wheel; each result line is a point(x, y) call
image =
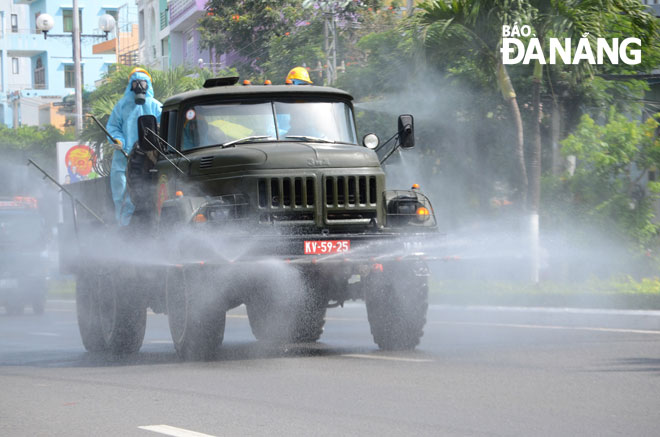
point(278, 313)
point(396, 297)
point(195, 314)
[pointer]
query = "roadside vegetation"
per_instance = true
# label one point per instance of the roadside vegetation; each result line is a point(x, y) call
point(577, 144)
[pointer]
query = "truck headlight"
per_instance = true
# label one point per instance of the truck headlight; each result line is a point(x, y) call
point(408, 208)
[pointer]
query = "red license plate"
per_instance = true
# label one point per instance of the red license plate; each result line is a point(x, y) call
point(316, 247)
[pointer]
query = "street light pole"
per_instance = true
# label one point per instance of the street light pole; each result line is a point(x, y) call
point(76, 67)
point(106, 23)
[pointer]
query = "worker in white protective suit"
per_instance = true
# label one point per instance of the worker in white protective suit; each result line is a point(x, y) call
point(138, 100)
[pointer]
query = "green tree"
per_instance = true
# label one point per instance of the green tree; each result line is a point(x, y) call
point(37, 143)
point(469, 33)
point(573, 19)
point(613, 162)
point(245, 28)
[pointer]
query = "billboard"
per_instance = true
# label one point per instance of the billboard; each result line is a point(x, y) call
point(75, 162)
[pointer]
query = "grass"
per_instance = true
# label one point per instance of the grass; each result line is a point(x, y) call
point(62, 288)
point(621, 293)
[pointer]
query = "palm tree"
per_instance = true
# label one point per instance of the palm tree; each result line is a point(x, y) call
point(460, 28)
point(573, 19)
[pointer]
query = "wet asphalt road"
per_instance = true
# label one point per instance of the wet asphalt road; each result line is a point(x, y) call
point(477, 372)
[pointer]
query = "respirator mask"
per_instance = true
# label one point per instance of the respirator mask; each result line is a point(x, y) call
point(139, 87)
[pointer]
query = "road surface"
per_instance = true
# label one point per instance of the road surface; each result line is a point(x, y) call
point(478, 371)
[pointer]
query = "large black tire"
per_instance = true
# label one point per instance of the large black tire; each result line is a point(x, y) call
point(87, 310)
point(39, 305)
point(37, 291)
point(15, 306)
point(279, 317)
point(397, 302)
point(111, 314)
point(195, 313)
point(122, 311)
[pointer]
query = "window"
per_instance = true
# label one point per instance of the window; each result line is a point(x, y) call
point(39, 75)
point(67, 20)
point(14, 23)
point(169, 127)
point(14, 65)
point(114, 14)
point(70, 77)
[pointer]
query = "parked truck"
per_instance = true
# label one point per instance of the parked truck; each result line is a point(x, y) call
point(23, 255)
point(254, 195)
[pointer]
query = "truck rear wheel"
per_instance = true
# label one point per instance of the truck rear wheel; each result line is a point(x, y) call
point(111, 316)
point(87, 310)
point(196, 316)
point(397, 302)
point(123, 313)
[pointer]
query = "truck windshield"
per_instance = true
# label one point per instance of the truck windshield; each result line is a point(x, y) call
point(210, 125)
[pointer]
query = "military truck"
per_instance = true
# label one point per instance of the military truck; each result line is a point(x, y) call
point(23, 260)
point(259, 195)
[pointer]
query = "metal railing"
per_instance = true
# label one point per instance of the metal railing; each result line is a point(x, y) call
point(179, 7)
point(7, 30)
point(130, 57)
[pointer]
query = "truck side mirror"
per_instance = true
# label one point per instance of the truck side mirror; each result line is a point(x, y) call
point(406, 131)
point(147, 133)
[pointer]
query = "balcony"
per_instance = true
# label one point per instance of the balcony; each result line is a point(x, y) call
point(185, 12)
point(24, 42)
point(164, 19)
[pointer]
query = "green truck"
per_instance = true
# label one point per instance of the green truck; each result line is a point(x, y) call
point(259, 195)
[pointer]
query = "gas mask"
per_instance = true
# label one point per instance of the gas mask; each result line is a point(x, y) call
point(139, 87)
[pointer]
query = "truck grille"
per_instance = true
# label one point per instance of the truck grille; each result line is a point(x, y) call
point(283, 193)
point(348, 200)
point(350, 190)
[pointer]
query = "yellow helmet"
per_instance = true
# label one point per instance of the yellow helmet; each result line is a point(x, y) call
point(139, 70)
point(299, 74)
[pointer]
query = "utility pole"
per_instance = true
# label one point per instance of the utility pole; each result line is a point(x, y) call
point(330, 34)
point(15, 109)
point(76, 67)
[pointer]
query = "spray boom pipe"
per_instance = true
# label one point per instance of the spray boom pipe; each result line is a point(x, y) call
point(167, 144)
point(74, 200)
point(163, 155)
point(114, 141)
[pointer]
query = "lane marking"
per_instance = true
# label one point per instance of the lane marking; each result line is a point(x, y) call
point(574, 328)
point(173, 431)
point(237, 316)
point(380, 357)
point(159, 342)
point(45, 334)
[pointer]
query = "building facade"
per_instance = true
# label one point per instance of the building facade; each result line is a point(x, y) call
point(168, 33)
point(47, 64)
